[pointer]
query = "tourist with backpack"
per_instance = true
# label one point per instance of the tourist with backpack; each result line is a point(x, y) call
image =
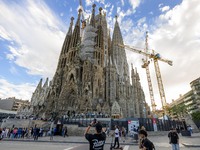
point(146, 144)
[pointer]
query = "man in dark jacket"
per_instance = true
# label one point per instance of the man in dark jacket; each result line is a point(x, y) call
point(173, 139)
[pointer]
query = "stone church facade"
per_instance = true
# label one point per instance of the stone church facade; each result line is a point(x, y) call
point(92, 74)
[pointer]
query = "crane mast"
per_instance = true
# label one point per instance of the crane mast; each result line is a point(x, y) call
point(146, 66)
point(160, 83)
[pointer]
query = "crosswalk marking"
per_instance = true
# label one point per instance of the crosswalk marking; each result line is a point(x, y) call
point(70, 148)
point(126, 147)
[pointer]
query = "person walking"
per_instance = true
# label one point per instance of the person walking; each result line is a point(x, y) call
point(146, 144)
point(123, 134)
point(116, 134)
point(173, 139)
point(96, 140)
point(51, 134)
point(65, 132)
point(1, 136)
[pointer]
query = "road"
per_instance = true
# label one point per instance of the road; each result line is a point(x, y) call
point(19, 145)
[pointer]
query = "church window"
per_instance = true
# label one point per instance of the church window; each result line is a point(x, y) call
point(96, 92)
point(71, 77)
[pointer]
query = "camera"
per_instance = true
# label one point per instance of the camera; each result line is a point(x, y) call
point(95, 121)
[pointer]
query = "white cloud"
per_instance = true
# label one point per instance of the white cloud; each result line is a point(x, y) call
point(21, 91)
point(122, 13)
point(3, 34)
point(165, 8)
point(13, 70)
point(134, 3)
point(150, 13)
point(141, 21)
point(122, 1)
point(62, 14)
point(107, 5)
point(90, 2)
point(175, 35)
point(177, 38)
point(37, 35)
point(161, 4)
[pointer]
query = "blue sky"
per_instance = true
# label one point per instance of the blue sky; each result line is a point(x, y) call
point(32, 33)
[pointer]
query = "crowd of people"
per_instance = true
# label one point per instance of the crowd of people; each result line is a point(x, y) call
point(33, 132)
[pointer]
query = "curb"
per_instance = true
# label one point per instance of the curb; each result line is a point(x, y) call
point(45, 141)
point(190, 145)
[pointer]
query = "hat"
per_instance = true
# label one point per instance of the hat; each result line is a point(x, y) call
point(143, 132)
point(98, 127)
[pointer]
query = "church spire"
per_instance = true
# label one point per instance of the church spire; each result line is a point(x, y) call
point(92, 21)
point(46, 83)
point(70, 27)
point(109, 43)
point(68, 38)
point(117, 36)
point(76, 34)
point(65, 47)
point(39, 86)
point(118, 53)
point(99, 38)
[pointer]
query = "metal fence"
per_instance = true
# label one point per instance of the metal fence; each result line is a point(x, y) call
point(162, 125)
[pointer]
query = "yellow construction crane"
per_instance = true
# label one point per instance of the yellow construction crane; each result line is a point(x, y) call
point(146, 66)
point(155, 57)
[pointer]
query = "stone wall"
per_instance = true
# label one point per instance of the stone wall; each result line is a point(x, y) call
point(74, 130)
point(23, 123)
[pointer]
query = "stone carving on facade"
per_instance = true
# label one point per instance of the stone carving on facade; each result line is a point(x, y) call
point(116, 110)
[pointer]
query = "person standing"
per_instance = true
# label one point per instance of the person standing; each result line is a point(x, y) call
point(189, 128)
point(116, 134)
point(173, 139)
point(96, 140)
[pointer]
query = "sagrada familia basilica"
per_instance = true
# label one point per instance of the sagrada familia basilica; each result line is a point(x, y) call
point(92, 74)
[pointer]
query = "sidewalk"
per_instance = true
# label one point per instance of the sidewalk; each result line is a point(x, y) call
point(193, 141)
point(72, 139)
point(160, 141)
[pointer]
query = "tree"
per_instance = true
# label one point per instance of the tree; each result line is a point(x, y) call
point(196, 116)
point(179, 110)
